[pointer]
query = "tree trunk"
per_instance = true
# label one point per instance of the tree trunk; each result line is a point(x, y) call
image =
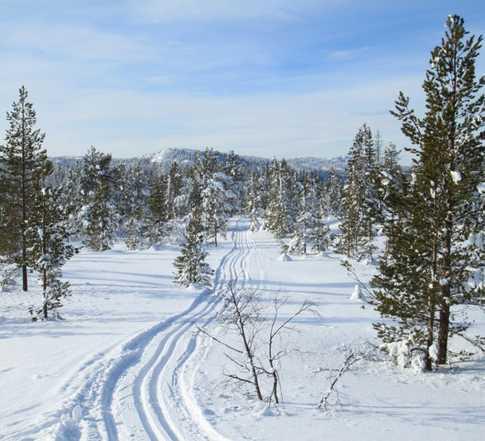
point(430, 340)
point(443, 331)
point(25, 277)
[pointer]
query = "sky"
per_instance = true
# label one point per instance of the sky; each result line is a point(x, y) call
point(281, 78)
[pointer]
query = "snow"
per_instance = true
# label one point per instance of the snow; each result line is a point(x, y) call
point(127, 363)
point(356, 293)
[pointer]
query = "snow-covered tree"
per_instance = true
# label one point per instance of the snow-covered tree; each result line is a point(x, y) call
point(216, 205)
point(99, 219)
point(50, 247)
point(331, 194)
point(304, 229)
point(133, 205)
point(191, 267)
point(281, 211)
point(359, 196)
point(254, 204)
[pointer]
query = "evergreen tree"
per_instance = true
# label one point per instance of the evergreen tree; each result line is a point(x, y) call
point(233, 169)
point(281, 211)
point(359, 195)
point(173, 187)
point(190, 265)
point(448, 170)
point(98, 216)
point(402, 288)
point(216, 206)
point(305, 228)
point(157, 205)
point(51, 249)
point(253, 204)
point(331, 194)
point(132, 206)
point(320, 236)
point(23, 166)
point(390, 161)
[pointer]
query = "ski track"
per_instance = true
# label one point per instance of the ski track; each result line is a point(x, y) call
point(163, 384)
point(158, 389)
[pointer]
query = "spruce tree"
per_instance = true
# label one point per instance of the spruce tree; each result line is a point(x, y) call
point(23, 165)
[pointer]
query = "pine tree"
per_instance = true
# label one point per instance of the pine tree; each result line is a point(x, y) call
point(132, 207)
point(158, 212)
point(191, 268)
point(51, 249)
point(305, 232)
point(403, 291)
point(359, 196)
point(216, 206)
point(331, 194)
point(253, 204)
point(98, 216)
point(233, 170)
point(173, 187)
point(448, 170)
point(320, 236)
point(390, 161)
point(281, 210)
point(23, 165)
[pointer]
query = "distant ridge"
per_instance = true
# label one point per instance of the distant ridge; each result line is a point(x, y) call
point(186, 157)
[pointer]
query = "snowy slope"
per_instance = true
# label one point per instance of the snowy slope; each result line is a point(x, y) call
point(127, 364)
point(185, 156)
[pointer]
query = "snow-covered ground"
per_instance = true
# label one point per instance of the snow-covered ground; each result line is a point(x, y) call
point(128, 364)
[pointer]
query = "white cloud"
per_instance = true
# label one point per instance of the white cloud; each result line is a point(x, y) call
point(129, 123)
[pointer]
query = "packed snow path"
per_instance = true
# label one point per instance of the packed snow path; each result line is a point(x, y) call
point(154, 387)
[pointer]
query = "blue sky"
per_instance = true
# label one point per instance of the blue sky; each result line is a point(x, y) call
point(262, 77)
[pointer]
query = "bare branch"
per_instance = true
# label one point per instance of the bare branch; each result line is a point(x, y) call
point(351, 359)
point(232, 348)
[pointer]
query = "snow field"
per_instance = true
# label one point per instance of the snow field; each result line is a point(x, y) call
point(128, 363)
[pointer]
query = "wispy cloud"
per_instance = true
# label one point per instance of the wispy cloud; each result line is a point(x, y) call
point(217, 10)
point(347, 54)
point(75, 42)
point(275, 77)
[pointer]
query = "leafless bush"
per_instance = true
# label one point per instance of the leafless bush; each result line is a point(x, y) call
point(243, 312)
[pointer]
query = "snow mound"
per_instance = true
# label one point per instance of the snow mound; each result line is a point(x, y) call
point(69, 426)
point(265, 410)
point(284, 258)
point(357, 294)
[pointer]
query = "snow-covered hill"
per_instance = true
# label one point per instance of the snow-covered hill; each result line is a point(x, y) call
point(186, 157)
